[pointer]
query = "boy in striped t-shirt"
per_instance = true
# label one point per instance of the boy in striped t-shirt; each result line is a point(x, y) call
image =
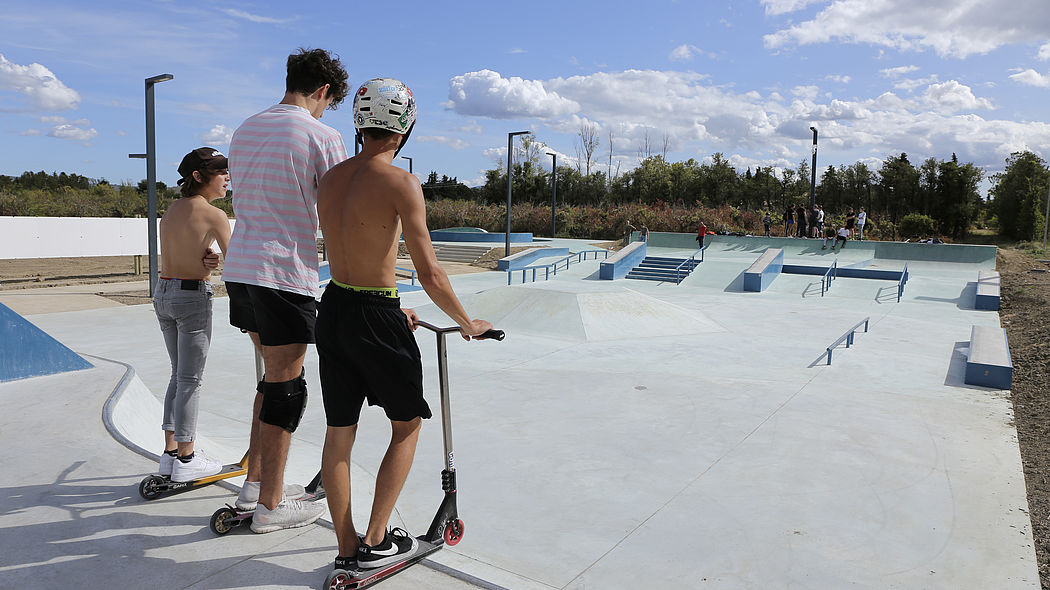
point(276, 159)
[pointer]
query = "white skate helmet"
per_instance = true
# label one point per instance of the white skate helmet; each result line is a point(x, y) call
point(385, 103)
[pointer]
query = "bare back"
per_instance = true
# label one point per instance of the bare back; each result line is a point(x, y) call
point(358, 208)
point(187, 229)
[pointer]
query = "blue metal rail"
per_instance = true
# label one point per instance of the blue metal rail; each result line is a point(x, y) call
point(831, 275)
point(552, 267)
point(848, 336)
point(408, 270)
point(691, 261)
point(903, 281)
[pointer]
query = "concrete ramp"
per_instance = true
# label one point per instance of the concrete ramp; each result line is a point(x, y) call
point(584, 313)
point(28, 351)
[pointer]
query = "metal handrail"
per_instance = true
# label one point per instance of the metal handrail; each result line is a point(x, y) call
point(830, 275)
point(549, 266)
point(848, 336)
point(408, 270)
point(903, 281)
point(692, 257)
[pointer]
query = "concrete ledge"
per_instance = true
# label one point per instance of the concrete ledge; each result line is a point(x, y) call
point(522, 259)
point(461, 236)
point(988, 363)
point(618, 265)
point(762, 271)
point(988, 290)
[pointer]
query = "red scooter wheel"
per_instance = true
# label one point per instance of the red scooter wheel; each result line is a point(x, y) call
point(454, 531)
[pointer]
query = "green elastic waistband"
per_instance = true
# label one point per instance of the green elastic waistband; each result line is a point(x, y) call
point(390, 292)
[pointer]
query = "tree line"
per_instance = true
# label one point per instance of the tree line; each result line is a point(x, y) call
point(940, 196)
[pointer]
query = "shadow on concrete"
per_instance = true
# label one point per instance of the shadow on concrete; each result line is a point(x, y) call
point(112, 540)
point(737, 286)
point(966, 299)
point(956, 373)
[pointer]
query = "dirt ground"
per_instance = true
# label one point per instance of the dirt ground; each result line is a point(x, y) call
point(1025, 314)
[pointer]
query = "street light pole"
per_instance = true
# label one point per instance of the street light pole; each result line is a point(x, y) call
point(510, 180)
point(554, 186)
point(1046, 219)
point(813, 172)
point(409, 163)
point(151, 176)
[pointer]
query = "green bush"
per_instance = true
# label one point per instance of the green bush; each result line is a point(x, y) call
point(915, 224)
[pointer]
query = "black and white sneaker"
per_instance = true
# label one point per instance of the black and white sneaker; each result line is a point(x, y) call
point(397, 546)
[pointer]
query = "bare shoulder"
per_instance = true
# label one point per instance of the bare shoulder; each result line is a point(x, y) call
point(403, 183)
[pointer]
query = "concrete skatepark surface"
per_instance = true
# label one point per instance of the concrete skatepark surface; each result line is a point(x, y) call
point(626, 434)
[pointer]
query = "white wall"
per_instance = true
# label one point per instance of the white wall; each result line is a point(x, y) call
point(59, 237)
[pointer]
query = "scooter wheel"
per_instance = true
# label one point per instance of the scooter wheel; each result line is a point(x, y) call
point(150, 486)
point(454, 531)
point(220, 521)
point(337, 580)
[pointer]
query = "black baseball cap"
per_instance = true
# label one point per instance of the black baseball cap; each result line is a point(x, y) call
point(202, 158)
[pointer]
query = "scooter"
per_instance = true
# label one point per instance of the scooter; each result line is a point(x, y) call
point(447, 527)
point(228, 517)
point(157, 486)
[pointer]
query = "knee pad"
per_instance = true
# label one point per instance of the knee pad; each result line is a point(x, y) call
point(283, 403)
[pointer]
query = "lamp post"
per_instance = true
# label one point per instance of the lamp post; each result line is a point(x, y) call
point(409, 163)
point(510, 180)
point(813, 172)
point(151, 176)
point(1046, 219)
point(554, 186)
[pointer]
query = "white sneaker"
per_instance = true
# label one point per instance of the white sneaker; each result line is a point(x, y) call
point(248, 499)
point(288, 515)
point(166, 463)
point(200, 466)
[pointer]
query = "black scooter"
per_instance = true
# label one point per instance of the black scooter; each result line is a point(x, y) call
point(446, 528)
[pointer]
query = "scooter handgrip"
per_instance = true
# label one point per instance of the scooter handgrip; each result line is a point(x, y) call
point(492, 335)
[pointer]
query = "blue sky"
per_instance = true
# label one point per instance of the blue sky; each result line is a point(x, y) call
point(745, 78)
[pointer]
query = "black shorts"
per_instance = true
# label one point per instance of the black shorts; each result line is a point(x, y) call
point(367, 351)
point(279, 317)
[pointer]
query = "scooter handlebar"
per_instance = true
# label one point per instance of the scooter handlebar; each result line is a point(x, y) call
point(487, 335)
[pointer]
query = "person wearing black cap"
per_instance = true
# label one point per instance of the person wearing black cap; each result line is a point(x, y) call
point(182, 300)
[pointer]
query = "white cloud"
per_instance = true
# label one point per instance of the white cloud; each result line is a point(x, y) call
point(1031, 77)
point(1044, 52)
point(770, 129)
point(952, 97)
point(965, 28)
point(910, 84)
point(471, 127)
point(452, 142)
point(255, 18)
point(488, 94)
point(31, 132)
point(218, 135)
point(774, 7)
point(898, 71)
point(72, 132)
point(517, 50)
point(840, 78)
point(809, 92)
point(41, 88)
point(685, 53)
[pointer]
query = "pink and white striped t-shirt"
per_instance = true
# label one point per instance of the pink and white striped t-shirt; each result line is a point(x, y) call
point(277, 157)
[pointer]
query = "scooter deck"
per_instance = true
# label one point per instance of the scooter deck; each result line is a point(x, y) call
point(353, 579)
point(230, 517)
point(157, 486)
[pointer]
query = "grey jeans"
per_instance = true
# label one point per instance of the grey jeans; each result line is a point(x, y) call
point(185, 321)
